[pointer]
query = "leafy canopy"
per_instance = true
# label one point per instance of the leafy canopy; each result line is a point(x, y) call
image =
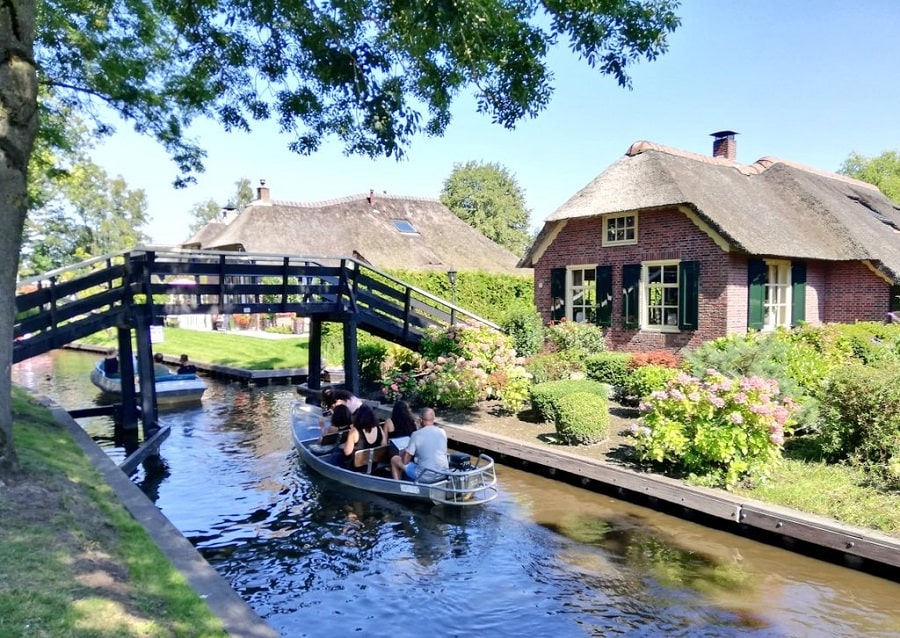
point(488, 198)
point(882, 171)
point(373, 73)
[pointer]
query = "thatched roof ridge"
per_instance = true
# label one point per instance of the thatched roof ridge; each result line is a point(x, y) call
point(772, 207)
point(365, 226)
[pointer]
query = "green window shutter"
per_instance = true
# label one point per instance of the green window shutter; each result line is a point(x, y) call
point(557, 294)
point(631, 281)
point(798, 293)
point(756, 290)
point(894, 305)
point(604, 296)
point(689, 295)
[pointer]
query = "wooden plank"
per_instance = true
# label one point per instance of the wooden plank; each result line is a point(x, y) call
point(709, 502)
point(822, 532)
point(148, 447)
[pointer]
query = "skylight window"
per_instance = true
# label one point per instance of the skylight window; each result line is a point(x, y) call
point(405, 227)
point(876, 214)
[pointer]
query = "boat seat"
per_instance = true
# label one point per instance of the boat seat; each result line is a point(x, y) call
point(370, 459)
point(328, 443)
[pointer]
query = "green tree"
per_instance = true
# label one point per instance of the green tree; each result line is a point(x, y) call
point(488, 198)
point(882, 171)
point(373, 73)
point(203, 213)
point(84, 214)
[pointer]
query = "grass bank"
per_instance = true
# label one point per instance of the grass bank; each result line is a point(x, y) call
point(73, 562)
point(226, 348)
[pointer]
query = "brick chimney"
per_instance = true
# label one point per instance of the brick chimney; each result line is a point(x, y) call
point(724, 145)
point(371, 197)
point(262, 192)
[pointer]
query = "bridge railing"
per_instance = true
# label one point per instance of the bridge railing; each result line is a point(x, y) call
point(73, 302)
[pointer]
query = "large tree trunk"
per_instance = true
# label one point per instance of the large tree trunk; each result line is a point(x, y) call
point(18, 127)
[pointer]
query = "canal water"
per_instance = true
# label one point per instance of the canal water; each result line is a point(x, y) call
point(545, 558)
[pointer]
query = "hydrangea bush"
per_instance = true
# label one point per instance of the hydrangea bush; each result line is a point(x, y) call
point(462, 365)
point(716, 430)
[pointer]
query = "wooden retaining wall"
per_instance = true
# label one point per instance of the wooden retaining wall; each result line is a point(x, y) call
point(823, 537)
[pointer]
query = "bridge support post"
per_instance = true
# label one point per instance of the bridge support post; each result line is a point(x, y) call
point(314, 378)
point(351, 356)
point(129, 415)
point(146, 376)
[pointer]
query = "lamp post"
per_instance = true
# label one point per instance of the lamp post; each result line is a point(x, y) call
point(451, 275)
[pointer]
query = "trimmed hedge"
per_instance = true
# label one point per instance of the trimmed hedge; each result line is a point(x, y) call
point(608, 367)
point(582, 418)
point(544, 396)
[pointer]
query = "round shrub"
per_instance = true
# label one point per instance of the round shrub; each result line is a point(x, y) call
point(526, 330)
point(582, 418)
point(608, 367)
point(544, 396)
point(860, 419)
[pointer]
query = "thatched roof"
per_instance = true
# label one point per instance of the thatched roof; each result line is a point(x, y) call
point(770, 208)
point(355, 227)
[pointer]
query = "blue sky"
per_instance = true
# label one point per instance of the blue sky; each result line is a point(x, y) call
point(806, 81)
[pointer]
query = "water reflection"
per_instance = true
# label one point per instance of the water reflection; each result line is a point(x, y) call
point(317, 559)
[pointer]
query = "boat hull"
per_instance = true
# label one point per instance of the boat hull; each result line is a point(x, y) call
point(457, 488)
point(170, 390)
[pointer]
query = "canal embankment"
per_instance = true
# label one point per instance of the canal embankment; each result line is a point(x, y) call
point(810, 534)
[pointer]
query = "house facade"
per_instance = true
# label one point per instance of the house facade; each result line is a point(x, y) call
point(668, 249)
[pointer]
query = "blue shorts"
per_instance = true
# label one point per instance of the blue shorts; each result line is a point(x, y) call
point(411, 470)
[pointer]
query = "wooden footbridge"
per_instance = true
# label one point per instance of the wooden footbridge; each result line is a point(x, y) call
point(134, 290)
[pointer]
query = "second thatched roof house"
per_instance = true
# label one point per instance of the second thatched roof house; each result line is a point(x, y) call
point(386, 231)
point(669, 249)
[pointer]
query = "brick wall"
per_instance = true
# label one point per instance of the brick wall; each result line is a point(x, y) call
point(580, 243)
point(839, 293)
point(854, 293)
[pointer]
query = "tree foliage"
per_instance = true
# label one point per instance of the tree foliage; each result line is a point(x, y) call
point(203, 213)
point(373, 73)
point(488, 198)
point(882, 171)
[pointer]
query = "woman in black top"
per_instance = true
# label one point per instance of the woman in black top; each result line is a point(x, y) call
point(365, 434)
point(401, 422)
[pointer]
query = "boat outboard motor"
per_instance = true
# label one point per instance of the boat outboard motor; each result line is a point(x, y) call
point(461, 461)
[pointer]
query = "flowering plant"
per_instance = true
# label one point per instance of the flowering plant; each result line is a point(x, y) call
point(401, 386)
point(716, 430)
point(453, 382)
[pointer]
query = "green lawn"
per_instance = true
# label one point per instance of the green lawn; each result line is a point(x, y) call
point(228, 348)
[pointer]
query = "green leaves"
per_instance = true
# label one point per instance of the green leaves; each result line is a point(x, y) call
point(373, 73)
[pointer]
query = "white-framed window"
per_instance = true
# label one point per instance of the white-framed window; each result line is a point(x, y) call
point(777, 304)
point(659, 295)
point(619, 230)
point(581, 293)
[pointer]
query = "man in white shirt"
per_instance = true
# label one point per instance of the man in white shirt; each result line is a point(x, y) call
point(427, 450)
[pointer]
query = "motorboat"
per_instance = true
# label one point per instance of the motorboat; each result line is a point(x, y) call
point(469, 481)
point(170, 388)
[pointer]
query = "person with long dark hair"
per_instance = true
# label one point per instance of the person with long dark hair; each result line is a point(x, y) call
point(401, 422)
point(365, 434)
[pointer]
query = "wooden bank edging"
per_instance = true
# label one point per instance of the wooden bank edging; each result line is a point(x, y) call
point(791, 525)
point(238, 618)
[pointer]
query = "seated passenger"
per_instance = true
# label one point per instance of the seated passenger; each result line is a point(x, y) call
point(111, 363)
point(185, 367)
point(338, 396)
point(365, 434)
point(426, 452)
point(160, 369)
point(401, 422)
point(341, 420)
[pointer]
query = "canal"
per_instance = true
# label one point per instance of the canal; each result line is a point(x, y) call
point(545, 558)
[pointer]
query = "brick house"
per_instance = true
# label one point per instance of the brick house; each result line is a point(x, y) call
point(668, 249)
